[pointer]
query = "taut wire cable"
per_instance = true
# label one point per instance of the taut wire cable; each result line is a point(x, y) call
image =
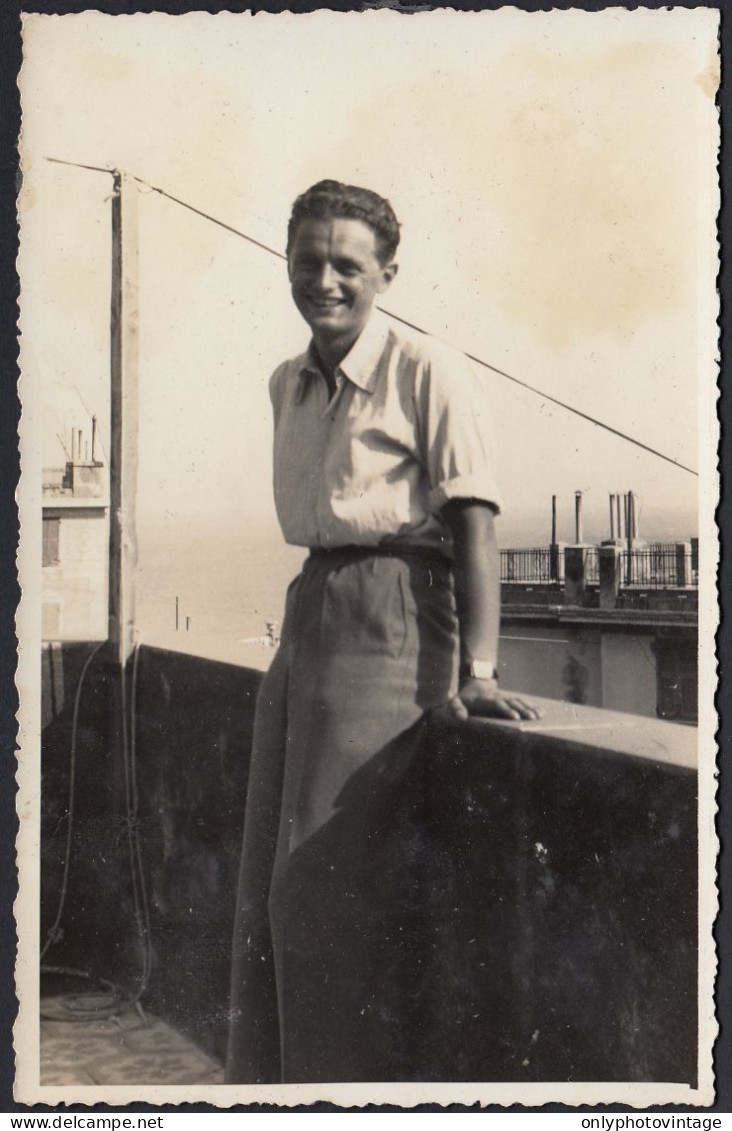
point(472, 357)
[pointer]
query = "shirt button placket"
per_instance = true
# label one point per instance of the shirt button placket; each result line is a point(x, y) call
point(322, 509)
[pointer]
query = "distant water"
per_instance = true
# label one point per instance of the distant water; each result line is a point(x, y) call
point(229, 586)
point(231, 582)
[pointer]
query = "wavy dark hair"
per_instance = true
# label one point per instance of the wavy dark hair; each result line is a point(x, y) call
point(327, 200)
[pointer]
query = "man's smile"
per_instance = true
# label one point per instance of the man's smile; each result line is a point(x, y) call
point(325, 303)
point(336, 276)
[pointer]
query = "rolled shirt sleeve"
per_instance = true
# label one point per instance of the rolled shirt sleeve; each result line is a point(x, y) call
point(456, 428)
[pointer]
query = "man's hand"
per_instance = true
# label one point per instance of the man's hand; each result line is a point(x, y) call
point(477, 594)
point(482, 698)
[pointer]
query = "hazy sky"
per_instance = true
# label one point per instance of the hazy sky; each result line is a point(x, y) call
point(554, 174)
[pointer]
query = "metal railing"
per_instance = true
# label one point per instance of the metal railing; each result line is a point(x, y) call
point(532, 565)
point(656, 567)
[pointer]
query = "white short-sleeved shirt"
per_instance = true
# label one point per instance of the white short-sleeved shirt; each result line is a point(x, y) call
point(407, 429)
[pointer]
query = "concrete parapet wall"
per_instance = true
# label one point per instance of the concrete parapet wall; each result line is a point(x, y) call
point(610, 559)
point(575, 563)
point(556, 918)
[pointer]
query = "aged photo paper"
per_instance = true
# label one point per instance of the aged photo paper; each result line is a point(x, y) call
point(554, 175)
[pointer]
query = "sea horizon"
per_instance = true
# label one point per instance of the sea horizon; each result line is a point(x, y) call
point(219, 588)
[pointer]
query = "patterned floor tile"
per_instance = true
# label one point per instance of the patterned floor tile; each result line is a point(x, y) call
point(129, 1048)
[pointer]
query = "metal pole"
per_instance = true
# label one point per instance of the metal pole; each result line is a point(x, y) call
point(123, 447)
point(578, 516)
point(554, 547)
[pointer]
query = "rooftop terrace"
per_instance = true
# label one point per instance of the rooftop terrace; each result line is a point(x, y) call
point(559, 928)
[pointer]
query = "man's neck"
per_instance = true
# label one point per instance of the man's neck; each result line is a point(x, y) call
point(325, 368)
point(332, 351)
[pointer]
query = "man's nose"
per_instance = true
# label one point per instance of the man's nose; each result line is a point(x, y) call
point(327, 278)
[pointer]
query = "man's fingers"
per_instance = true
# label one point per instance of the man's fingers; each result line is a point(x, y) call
point(526, 710)
point(523, 710)
point(498, 708)
point(504, 708)
point(495, 706)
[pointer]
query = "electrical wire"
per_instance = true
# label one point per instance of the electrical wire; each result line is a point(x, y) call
point(76, 1007)
point(213, 219)
point(116, 997)
point(78, 165)
point(54, 932)
point(139, 891)
point(412, 325)
point(147, 952)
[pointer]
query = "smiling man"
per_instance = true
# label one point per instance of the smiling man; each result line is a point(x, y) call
point(383, 468)
point(336, 271)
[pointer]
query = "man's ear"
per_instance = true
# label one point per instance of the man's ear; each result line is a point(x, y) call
point(388, 274)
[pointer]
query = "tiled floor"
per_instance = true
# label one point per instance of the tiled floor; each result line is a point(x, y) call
point(84, 1042)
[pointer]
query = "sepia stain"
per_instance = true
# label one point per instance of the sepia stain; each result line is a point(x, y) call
point(180, 254)
point(556, 183)
point(26, 194)
point(709, 78)
point(27, 198)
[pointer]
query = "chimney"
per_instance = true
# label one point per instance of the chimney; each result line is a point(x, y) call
point(578, 516)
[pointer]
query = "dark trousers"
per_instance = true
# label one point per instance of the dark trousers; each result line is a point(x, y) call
point(332, 923)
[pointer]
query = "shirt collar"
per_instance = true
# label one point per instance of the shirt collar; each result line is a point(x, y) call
point(359, 364)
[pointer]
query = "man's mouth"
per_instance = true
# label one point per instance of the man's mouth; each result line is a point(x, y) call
point(325, 303)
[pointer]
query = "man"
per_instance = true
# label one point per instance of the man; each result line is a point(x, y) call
point(383, 469)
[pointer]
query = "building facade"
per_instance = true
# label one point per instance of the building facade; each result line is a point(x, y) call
point(596, 626)
point(75, 551)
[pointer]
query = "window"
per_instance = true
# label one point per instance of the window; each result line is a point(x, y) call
point(677, 680)
point(51, 528)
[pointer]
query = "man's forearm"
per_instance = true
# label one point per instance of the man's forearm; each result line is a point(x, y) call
point(477, 578)
point(478, 596)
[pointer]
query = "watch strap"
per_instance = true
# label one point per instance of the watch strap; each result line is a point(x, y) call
point(478, 669)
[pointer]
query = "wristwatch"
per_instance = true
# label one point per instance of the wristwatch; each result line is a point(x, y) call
point(478, 669)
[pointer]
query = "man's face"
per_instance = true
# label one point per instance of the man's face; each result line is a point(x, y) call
point(335, 276)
